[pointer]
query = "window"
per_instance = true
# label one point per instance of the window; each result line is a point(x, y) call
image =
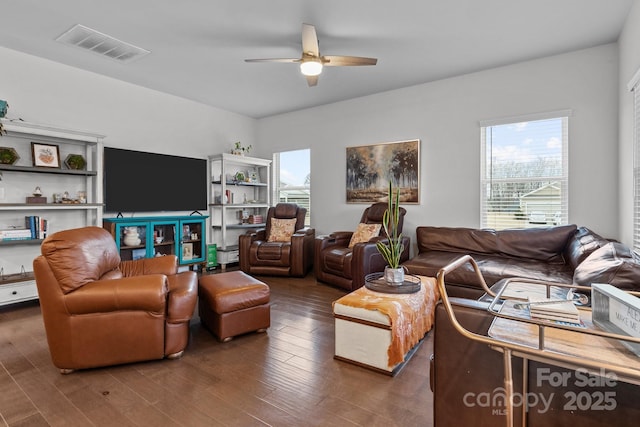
point(292, 173)
point(524, 169)
point(634, 87)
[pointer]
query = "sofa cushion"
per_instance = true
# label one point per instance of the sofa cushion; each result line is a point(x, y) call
point(493, 268)
point(542, 244)
point(614, 264)
point(282, 230)
point(582, 244)
point(364, 233)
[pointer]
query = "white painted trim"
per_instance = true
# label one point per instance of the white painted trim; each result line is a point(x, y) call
point(526, 118)
point(633, 83)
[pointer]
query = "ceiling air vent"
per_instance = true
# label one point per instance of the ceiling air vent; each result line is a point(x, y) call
point(102, 44)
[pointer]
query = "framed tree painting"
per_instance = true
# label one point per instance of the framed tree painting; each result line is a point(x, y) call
point(371, 167)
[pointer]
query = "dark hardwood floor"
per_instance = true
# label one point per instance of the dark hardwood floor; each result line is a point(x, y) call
point(285, 377)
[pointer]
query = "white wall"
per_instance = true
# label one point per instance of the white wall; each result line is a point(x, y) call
point(444, 115)
point(133, 117)
point(629, 48)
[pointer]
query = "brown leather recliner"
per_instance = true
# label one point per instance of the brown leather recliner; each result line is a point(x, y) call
point(100, 311)
point(337, 264)
point(280, 258)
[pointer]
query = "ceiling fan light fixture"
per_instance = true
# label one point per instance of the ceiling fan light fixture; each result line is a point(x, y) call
point(312, 67)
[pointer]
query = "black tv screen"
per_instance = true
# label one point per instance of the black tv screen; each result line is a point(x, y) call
point(136, 181)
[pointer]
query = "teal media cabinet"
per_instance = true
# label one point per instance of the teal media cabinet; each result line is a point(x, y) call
point(147, 237)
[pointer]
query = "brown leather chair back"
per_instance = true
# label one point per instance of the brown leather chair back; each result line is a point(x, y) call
point(286, 211)
point(80, 256)
point(374, 214)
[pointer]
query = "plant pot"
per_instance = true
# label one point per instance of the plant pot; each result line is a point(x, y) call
point(394, 276)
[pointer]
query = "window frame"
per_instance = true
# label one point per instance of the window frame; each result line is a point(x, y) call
point(277, 188)
point(563, 179)
point(634, 87)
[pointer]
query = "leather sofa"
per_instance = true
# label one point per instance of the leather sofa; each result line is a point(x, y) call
point(290, 257)
point(100, 311)
point(562, 254)
point(338, 264)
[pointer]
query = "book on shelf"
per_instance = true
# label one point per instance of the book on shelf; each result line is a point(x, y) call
point(563, 311)
point(37, 226)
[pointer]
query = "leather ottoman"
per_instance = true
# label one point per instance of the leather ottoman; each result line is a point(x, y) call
point(233, 303)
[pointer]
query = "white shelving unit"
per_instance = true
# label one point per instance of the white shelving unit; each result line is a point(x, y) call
point(252, 197)
point(18, 181)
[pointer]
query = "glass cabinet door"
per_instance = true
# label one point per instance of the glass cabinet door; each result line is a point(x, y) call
point(192, 241)
point(163, 238)
point(132, 240)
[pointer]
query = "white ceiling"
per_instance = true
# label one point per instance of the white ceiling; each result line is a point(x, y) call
point(198, 47)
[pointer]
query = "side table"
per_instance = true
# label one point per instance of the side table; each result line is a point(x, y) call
point(517, 335)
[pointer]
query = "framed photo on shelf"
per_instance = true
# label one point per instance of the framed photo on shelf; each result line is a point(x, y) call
point(187, 251)
point(45, 155)
point(138, 254)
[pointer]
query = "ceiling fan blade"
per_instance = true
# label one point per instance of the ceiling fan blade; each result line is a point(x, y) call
point(274, 60)
point(341, 61)
point(310, 40)
point(312, 80)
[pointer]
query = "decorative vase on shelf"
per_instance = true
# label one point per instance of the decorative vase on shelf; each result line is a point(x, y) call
point(131, 237)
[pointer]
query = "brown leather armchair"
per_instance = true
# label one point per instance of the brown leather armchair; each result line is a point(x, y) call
point(280, 258)
point(337, 264)
point(100, 311)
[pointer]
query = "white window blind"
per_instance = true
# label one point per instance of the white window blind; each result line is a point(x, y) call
point(524, 169)
point(634, 86)
point(292, 173)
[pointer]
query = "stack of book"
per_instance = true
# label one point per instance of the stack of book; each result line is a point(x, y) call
point(256, 219)
point(37, 225)
point(564, 311)
point(15, 234)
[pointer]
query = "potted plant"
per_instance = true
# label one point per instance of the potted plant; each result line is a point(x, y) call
point(391, 249)
point(239, 150)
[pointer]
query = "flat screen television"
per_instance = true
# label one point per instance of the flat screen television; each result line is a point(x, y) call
point(137, 181)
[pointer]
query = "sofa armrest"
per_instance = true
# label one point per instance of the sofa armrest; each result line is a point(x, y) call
point(302, 251)
point(367, 259)
point(337, 238)
point(183, 294)
point(166, 265)
point(141, 293)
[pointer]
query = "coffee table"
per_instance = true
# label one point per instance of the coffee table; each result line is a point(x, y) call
point(380, 330)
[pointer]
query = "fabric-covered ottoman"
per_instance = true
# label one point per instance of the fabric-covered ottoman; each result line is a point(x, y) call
point(233, 303)
point(381, 331)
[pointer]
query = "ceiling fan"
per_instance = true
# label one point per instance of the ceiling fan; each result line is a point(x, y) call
point(311, 62)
